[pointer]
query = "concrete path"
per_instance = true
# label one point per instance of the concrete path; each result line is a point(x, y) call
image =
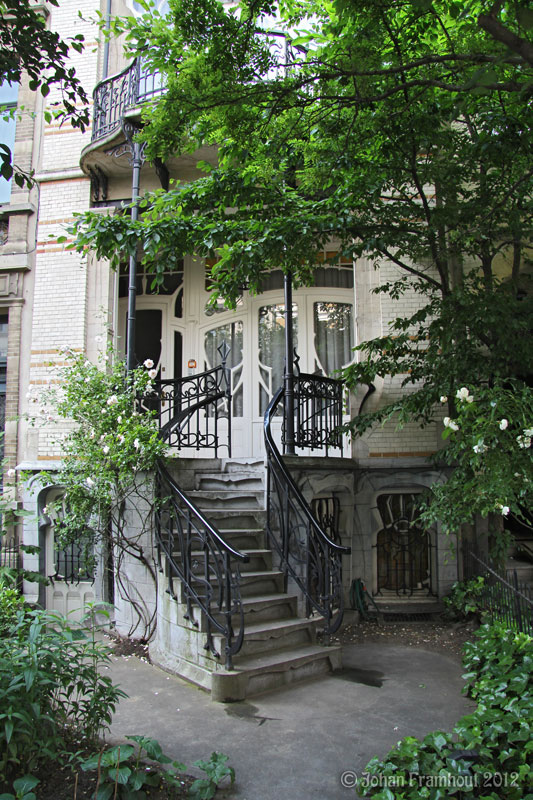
point(297, 743)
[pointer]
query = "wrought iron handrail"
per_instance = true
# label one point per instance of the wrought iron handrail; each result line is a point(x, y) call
point(199, 556)
point(318, 405)
point(305, 552)
point(189, 409)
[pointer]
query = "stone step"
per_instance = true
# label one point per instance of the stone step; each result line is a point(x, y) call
point(252, 539)
point(260, 561)
point(232, 519)
point(263, 609)
point(256, 465)
point(270, 635)
point(226, 499)
point(235, 481)
point(273, 670)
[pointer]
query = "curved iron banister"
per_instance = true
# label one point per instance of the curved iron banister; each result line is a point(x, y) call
point(199, 556)
point(179, 401)
point(305, 551)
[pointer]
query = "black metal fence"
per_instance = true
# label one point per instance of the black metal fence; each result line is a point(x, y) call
point(503, 598)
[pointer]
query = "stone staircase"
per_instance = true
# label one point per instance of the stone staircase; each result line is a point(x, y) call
point(279, 647)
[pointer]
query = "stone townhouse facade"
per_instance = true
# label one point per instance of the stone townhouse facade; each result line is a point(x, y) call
point(51, 297)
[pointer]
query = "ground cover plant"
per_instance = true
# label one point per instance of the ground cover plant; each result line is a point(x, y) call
point(50, 685)
point(489, 753)
point(55, 705)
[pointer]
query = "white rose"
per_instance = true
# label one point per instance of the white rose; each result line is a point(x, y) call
point(152, 373)
point(503, 424)
point(113, 400)
point(148, 363)
point(449, 423)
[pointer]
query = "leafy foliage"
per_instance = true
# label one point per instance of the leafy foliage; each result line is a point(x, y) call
point(11, 602)
point(50, 680)
point(490, 448)
point(106, 457)
point(125, 771)
point(29, 47)
point(399, 131)
point(464, 596)
point(488, 754)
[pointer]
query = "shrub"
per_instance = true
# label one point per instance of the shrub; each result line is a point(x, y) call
point(49, 684)
point(489, 752)
point(464, 598)
point(11, 603)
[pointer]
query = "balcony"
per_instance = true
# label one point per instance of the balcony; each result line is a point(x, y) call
point(118, 94)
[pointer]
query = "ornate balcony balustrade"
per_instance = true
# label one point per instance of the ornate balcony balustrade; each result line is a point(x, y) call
point(120, 93)
point(138, 84)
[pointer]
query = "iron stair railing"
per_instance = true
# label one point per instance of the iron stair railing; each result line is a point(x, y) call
point(206, 565)
point(305, 552)
point(189, 409)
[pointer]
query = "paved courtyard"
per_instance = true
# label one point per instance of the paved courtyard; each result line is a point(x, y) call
point(305, 741)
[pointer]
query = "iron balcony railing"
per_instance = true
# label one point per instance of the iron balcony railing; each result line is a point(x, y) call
point(190, 410)
point(205, 564)
point(118, 94)
point(305, 552)
point(138, 84)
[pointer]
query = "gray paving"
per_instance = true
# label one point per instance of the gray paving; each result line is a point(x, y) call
point(295, 744)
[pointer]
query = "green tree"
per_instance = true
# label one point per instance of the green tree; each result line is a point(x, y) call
point(400, 129)
point(28, 47)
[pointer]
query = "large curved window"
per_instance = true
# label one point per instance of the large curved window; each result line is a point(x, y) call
point(333, 328)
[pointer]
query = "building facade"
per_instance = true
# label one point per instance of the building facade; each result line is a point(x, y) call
point(51, 297)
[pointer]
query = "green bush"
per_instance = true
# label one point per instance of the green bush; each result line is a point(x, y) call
point(11, 603)
point(49, 684)
point(464, 598)
point(489, 752)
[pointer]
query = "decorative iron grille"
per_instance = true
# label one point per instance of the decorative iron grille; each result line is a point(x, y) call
point(404, 552)
point(190, 409)
point(305, 552)
point(318, 407)
point(115, 95)
point(205, 564)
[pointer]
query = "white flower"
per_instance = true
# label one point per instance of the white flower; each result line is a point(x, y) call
point(89, 482)
point(480, 447)
point(504, 509)
point(463, 394)
point(98, 339)
point(136, 444)
point(91, 434)
point(528, 432)
point(105, 449)
point(119, 419)
point(524, 442)
point(449, 423)
point(113, 400)
point(148, 363)
point(503, 424)
point(443, 399)
point(11, 473)
point(102, 437)
point(152, 373)
point(120, 438)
